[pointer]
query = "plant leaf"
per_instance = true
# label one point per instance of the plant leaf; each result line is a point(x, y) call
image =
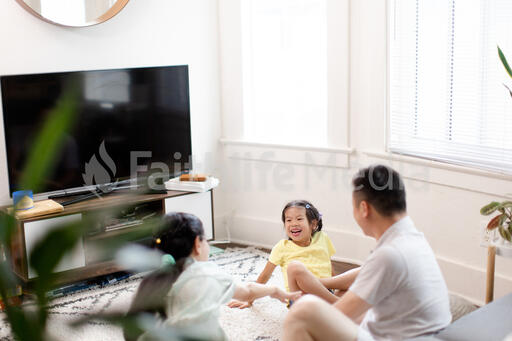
point(494, 222)
point(510, 92)
point(47, 143)
point(7, 228)
point(504, 62)
point(505, 234)
point(489, 208)
point(130, 324)
point(138, 258)
point(25, 325)
point(502, 219)
point(135, 324)
point(46, 255)
point(506, 204)
point(48, 251)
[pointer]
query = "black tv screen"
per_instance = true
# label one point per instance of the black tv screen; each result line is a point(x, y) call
point(124, 122)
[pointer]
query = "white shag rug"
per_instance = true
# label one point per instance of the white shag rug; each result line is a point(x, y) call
point(262, 321)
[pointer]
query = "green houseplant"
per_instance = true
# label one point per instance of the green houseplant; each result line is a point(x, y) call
point(507, 67)
point(503, 221)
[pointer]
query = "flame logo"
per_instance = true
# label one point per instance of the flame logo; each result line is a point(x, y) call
point(95, 173)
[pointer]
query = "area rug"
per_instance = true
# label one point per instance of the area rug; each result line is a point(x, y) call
point(262, 321)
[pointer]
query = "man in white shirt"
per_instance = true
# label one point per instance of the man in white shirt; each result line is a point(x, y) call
point(398, 293)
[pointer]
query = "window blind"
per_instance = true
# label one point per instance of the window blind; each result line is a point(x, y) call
point(447, 99)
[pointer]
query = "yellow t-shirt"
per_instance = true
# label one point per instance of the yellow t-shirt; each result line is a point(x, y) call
point(316, 257)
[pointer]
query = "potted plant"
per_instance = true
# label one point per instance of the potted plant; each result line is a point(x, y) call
point(507, 67)
point(501, 222)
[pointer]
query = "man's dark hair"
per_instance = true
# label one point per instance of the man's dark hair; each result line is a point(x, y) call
point(382, 187)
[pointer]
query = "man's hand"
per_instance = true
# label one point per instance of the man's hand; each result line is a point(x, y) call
point(239, 304)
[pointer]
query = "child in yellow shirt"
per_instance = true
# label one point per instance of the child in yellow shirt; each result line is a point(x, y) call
point(307, 251)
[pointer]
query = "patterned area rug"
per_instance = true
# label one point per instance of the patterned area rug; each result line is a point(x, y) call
point(261, 322)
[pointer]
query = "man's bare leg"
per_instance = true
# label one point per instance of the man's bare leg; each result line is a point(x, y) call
point(311, 318)
point(300, 278)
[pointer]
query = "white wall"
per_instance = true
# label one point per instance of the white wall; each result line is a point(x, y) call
point(144, 33)
point(444, 201)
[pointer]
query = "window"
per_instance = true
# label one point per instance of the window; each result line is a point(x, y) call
point(447, 99)
point(285, 71)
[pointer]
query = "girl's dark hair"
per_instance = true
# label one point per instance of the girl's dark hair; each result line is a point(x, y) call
point(175, 236)
point(311, 212)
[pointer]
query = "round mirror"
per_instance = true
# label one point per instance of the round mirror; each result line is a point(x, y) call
point(75, 13)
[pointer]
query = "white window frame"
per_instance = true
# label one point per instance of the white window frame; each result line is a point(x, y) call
point(230, 28)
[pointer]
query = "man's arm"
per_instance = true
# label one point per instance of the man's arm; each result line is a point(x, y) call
point(352, 306)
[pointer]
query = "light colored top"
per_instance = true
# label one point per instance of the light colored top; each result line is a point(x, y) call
point(402, 281)
point(194, 301)
point(316, 257)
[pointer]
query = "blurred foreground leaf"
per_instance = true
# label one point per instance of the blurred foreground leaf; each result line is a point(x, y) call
point(136, 324)
point(47, 144)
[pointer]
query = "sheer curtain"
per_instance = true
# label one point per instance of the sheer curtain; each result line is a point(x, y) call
point(285, 71)
point(447, 99)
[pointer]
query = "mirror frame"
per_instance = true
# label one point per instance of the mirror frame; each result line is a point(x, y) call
point(115, 9)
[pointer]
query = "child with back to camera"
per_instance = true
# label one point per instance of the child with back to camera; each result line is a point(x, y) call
point(189, 293)
point(306, 252)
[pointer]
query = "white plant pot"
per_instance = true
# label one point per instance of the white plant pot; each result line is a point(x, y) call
point(504, 248)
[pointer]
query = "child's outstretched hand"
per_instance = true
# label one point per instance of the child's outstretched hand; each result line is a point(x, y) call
point(239, 304)
point(283, 296)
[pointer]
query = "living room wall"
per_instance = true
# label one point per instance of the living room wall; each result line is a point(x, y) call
point(443, 200)
point(144, 33)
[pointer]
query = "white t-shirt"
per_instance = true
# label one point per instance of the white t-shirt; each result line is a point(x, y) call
point(194, 301)
point(402, 281)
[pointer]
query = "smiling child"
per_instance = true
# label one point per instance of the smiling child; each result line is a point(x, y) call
point(307, 249)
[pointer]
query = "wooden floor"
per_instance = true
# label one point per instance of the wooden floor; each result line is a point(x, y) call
point(338, 267)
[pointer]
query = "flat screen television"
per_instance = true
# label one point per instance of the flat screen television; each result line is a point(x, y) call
point(124, 122)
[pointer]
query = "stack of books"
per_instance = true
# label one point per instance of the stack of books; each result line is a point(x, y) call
point(191, 186)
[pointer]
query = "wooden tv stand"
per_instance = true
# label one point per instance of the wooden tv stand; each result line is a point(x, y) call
point(83, 263)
